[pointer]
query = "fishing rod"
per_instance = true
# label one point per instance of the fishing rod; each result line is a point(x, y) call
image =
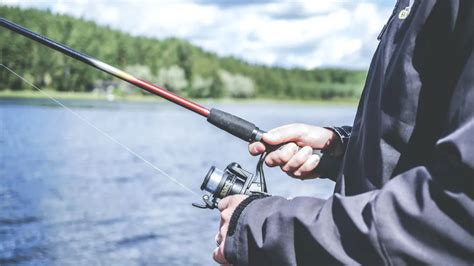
point(230, 123)
point(219, 183)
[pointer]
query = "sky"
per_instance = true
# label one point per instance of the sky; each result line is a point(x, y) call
point(286, 33)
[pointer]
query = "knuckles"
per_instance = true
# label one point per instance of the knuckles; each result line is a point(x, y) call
point(286, 155)
point(216, 256)
point(297, 162)
point(222, 233)
point(269, 162)
point(225, 216)
point(283, 156)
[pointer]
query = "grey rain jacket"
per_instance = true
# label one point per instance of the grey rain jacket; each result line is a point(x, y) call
point(404, 192)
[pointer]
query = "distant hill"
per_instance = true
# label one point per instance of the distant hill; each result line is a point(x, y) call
point(173, 63)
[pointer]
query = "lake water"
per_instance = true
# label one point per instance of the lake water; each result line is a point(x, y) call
point(70, 196)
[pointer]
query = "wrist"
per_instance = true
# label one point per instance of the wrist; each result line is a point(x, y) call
point(338, 141)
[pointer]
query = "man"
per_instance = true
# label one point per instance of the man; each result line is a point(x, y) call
point(404, 191)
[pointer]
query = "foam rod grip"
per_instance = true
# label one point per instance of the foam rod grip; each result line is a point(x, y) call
point(234, 125)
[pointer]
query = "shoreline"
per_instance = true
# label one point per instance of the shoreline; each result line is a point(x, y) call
point(87, 96)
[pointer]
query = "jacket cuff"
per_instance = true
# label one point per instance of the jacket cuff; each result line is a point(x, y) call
point(240, 208)
point(331, 160)
point(343, 134)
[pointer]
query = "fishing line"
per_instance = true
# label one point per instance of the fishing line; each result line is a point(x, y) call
point(80, 117)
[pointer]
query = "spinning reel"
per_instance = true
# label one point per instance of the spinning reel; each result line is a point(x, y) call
point(232, 180)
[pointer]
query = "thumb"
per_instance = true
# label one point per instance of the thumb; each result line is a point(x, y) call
point(288, 133)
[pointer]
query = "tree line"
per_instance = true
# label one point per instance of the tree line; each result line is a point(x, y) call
point(173, 63)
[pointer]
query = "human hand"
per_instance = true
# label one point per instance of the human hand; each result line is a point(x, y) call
point(295, 158)
point(226, 206)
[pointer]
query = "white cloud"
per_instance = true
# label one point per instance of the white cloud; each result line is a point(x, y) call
point(289, 33)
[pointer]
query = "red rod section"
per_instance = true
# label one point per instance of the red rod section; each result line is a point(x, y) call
point(106, 68)
point(171, 97)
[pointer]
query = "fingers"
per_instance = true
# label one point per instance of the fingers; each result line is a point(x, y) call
point(256, 148)
point(282, 155)
point(226, 206)
point(306, 169)
point(287, 133)
point(296, 163)
point(223, 233)
point(230, 202)
point(302, 135)
point(220, 237)
point(223, 203)
point(218, 255)
point(225, 217)
point(298, 159)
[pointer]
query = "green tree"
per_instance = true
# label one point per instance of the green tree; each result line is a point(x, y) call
point(176, 64)
point(173, 78)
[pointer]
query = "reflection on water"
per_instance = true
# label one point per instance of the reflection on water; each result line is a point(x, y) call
point(69, 195)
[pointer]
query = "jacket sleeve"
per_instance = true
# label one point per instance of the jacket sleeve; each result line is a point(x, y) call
point(422, 215)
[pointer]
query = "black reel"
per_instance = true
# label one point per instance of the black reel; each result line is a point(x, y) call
point(233, 180)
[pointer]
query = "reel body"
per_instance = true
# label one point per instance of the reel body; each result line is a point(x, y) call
point(231, 181)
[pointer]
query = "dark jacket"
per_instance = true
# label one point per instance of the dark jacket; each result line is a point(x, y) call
point(404, 192)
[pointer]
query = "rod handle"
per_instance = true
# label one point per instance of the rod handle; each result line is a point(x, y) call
point(235, 125)
point(238, 127)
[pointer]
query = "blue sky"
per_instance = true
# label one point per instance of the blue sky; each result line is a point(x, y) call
point(289, 33)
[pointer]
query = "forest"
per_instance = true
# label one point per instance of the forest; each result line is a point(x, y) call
point(173, 63)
